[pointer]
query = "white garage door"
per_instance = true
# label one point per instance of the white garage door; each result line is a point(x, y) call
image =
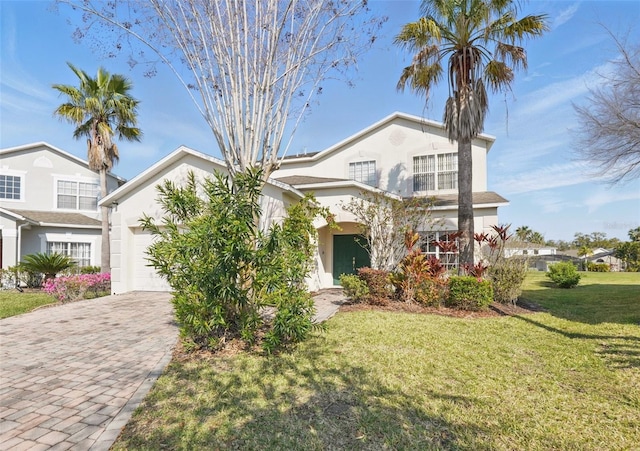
point(145, 277)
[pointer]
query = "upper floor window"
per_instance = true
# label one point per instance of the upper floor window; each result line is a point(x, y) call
point(10, 187)
point(77, 195)
point(431, 172)
point(363, 171)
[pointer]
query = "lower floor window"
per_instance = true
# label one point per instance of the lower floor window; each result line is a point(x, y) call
point(79, 252)
point(429, 247)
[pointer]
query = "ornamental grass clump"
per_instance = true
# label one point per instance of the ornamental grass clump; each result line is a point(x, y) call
point(77, 287)
point(506, 274)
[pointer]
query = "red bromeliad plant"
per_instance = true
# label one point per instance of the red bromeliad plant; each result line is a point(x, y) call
point(476, 270)
point(420, 277)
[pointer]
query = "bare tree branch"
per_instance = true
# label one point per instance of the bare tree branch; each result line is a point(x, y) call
point(609, 130)
point(257, 65)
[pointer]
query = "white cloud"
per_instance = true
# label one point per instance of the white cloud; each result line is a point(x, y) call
point(544, 178)
point(565, 16)
point(607, 197)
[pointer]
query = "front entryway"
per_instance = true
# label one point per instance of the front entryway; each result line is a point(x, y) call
point(349, 254)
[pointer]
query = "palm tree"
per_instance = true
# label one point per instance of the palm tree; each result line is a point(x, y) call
point(523, 233)
point(460, 33)
point(100, 107)
point(48, 264)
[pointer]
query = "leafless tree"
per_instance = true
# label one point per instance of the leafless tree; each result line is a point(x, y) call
point(256, 65)
point(384, 220)
point(609, 121)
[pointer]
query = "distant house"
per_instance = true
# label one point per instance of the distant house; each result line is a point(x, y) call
point(515, 247)
point(49, 203)
point(599, 255)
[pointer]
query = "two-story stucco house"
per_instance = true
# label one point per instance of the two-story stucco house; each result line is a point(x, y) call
point(401, 155)
point(49, 203)
point(129, 242)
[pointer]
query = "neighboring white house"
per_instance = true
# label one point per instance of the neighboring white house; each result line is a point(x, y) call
point(403, 155)
point(599, 255)
point(515, 247)
point(49, 203)
point(129, 266)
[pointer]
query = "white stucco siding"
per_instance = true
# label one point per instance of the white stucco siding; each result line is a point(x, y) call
point(129, 242)
point(392, 146)
point(40, 169)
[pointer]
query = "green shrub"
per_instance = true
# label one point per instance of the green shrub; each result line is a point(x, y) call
point(598, 267)
point(354, 287)
point(291, 324)
point(18, 275)
point(89, 270)
point(507, 277)
point(431, 292)
point(469, 293)
point(48, 264)
point(378, 283)
point(564, 274)
point(224, 269)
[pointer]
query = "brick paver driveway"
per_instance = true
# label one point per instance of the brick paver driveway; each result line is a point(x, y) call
point(71, 375)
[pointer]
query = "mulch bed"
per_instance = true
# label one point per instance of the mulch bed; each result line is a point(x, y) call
point(495, 309)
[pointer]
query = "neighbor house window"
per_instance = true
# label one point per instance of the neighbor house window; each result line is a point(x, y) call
point(77, 195)
point(10, 187)
point(78, 252)
point(448, 259)
point(432, 172)
point(363, 171)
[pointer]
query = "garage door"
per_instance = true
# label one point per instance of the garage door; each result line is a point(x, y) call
point(145, 277)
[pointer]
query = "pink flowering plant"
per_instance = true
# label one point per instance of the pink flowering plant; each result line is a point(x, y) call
point(77, 287)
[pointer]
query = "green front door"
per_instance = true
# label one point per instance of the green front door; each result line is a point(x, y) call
point(349, 255)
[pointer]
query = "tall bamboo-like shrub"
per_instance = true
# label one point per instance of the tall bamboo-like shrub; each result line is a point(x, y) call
point(224, 269)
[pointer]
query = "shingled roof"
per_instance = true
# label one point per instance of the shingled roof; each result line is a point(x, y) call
point(485, 197)
point(298, 180)
point(50, 217)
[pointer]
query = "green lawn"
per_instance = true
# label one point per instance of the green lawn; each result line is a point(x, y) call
point(12, 302)
point(565, 379)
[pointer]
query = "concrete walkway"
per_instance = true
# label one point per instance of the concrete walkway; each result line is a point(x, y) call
point(72, 375)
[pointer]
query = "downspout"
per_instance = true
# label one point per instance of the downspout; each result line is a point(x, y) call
point(18, 246)
point(19, 240)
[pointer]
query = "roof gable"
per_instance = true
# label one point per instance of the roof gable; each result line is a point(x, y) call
point(166, 162)
point(315, 156)
point(53, 149)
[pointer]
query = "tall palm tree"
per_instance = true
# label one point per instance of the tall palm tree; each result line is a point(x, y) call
point(100, 107)
point(523, 233)
point(459, 32)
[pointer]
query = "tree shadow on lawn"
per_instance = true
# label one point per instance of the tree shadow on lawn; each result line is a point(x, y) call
point(590, 303)
point(620, 351)
point(310, 400)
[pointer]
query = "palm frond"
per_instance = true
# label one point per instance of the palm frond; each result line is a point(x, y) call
point(528, 27)
point(499, 75)
point(100, 107)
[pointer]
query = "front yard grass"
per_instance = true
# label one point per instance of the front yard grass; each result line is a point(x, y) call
point(12, 302)
point(568, 378)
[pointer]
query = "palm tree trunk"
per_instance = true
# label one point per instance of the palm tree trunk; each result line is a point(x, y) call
point(105, 254)
point(465, 201)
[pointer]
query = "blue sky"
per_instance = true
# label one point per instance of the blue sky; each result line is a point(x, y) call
point(531, 162)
